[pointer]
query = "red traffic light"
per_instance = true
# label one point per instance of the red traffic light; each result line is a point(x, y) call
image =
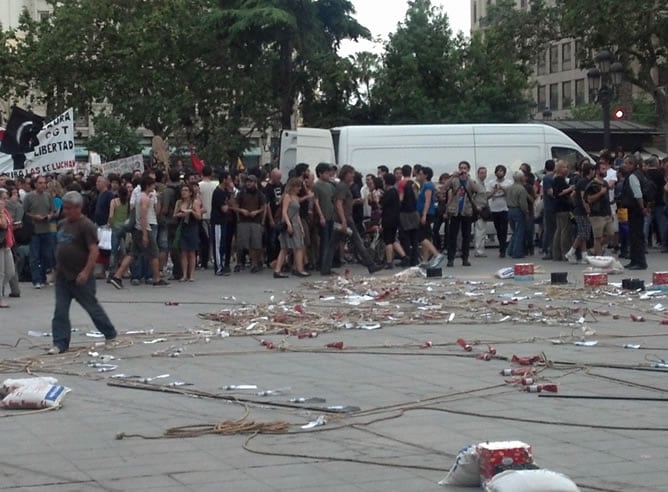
point(619, 114)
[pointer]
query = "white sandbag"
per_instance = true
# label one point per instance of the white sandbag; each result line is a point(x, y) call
point(531, 481)
point(505, 273)
point(466, 470)
point(36, 395)
point(9, 385)
point(600, 261)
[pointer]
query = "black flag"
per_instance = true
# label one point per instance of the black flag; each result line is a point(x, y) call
point(21, 133)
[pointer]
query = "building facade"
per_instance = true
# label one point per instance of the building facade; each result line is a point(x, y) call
point(10, 11)
point(558, 84)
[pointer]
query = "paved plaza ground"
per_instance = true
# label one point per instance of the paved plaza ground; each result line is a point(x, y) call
point(418, 406)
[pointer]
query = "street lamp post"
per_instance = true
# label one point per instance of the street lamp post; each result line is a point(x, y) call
point(603, 79)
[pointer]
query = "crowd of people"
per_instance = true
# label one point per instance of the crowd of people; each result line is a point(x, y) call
point(166, 226)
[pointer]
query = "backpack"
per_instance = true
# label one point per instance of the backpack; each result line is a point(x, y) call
point(648, 188)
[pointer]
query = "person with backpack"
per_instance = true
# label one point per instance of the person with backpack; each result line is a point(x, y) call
point(634, 199)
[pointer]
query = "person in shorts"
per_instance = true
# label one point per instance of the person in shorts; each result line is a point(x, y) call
point(600, 211)
point(250, 206)
point(144, 242)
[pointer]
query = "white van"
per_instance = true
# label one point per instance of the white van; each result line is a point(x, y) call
point(440, 147)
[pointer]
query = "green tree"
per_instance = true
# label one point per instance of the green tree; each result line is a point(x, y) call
point(430, 76)
point(114, 139)
point(636, 31)
point(301, 36)
point(421, 63)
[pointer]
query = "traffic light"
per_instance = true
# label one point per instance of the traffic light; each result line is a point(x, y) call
point(619, 114)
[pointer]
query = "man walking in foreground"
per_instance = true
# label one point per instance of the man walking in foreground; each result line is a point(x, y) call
point(76, 254)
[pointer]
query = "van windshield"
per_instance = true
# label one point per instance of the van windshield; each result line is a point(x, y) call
point(572, 156)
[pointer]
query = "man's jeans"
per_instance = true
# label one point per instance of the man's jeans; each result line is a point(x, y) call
point(326, 233)
point(66, 290)
point(41, 247)
point(517, 221)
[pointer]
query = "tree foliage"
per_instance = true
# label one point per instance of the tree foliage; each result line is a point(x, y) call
point(113, 139)
point(636, 31)
point(203, 69)
point(431, 76)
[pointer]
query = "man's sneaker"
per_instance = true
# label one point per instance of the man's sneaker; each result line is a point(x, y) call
point(237, 268)
point(112, 342)
point(219, 272)
point(55, 350)
point(135, 282)
point(37, 286)
point(226, 271)
point(116, 282)
point(436, 261)
point(570, 257)
point(160, 283)
point(375, 268)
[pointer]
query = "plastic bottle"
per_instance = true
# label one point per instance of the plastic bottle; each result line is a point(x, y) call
point(484, 356)
point(335, 345)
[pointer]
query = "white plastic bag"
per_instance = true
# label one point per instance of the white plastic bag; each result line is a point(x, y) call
point(104, 238)
point(9, 385)
point(35, 395)
point(466, 470)
point(531, 481)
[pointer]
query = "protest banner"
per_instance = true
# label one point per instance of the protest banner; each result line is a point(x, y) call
point(122, 166)
point(54, 152)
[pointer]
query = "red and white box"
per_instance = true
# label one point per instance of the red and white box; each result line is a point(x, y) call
point(660, 280)
point(496, 457)
point(523, 271)
point(595, 279)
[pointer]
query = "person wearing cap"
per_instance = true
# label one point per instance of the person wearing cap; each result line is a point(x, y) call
point(249, 205)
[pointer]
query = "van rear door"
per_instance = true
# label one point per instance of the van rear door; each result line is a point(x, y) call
point(309, 145)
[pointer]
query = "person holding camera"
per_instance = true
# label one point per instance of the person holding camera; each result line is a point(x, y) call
point(460, 212)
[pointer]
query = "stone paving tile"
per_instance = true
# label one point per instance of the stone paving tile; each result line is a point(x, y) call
point(77, 449)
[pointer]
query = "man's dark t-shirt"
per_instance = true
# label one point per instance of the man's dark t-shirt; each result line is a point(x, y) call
point(251, 201)
point(601, 207)
point(273, 194)
point(658, 177)
point(390, 206)
point(343, 193)
point(102, 206)
point(561, 203)
point(580, 188)
point(219, 198)
point(73, 242)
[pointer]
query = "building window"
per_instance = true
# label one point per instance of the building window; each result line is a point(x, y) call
point(554, 59)
point(554, 97)
point(579, 53)
point(475, 12)
point(542, 66)
point(579, 92)
point(524, 4)
point(542, 98)
point(43, 15)
point(566, 95)
point(566, 57)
